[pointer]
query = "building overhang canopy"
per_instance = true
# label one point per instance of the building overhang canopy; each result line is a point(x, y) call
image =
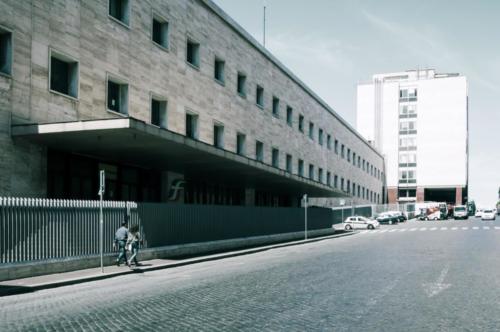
point(133, 142)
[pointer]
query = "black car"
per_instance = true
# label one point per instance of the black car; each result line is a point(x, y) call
point(387, 218)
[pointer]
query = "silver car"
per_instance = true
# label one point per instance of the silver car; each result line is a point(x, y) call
point(359, 222)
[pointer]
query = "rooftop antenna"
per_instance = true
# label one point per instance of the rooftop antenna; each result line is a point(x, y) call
point(264, 30)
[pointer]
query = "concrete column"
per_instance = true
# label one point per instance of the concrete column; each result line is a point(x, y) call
point(249, 196)
point(458, 196)
point(420, 194)
point(392, 195)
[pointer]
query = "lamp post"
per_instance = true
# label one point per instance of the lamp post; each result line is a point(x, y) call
point(304, 198)
point(102, 181)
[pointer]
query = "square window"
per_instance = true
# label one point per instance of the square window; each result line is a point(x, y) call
point(5, 52)
point(289, 116)
point(159, 113)
point(311, 130)
point(240, 144)
point(219, 136)
point(193, 53)
point(275, 158)
point(117, 96)
point(276, 107)
point(259, 151)
point(160, 31)
point(259, 96)
point(301, 123)
point(63, 74)
point(300, 167)
point(120, 10)
point(289, 163)
point(219, 70)
point(192, 125)
point(241, 85)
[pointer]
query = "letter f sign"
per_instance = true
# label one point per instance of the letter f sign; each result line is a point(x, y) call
point(175, 188)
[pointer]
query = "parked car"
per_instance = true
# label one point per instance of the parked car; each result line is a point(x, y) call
point(460, 212)
point(479, 213)
point(359, 222)
point(387, 218)
point(488, 215)
point(401, 216)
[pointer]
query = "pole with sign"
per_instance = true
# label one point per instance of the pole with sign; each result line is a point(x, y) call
point(342, 203)
point(305, 215)
point(102, 181)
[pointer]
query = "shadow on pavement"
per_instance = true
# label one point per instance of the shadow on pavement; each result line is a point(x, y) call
point(14, 290)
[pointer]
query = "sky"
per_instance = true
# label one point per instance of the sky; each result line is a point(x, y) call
point(332, 45)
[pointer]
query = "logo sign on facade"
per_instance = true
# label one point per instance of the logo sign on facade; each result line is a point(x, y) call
point(176, 187)
point(342, 202)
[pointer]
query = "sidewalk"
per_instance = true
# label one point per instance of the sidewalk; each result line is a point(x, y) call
point(27, 285)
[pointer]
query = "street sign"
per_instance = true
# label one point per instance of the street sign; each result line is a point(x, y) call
point(342, 202)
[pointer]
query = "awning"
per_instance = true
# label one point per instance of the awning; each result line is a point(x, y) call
point(133, 142)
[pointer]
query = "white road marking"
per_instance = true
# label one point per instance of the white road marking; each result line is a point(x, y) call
point(444, 228)
point(363, 232)
point(454, 228)
point(465, 228)
point(497, 227)
point(383, 231)
point(434, 288)
point(486, 227)
point(413, 229)
point(433, 229)
point(402, 230)
point(423, 229)
point(392, 230)
point(475, 227)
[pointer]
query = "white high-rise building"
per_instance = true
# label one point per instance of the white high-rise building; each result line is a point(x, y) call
point(419, 120)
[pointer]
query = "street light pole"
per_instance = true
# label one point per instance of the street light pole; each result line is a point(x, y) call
point(102, 179)
point(305, 215)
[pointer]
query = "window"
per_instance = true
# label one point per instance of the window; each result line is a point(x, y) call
point(289, 163)
point(336, 146)
point(363, 164)
point(342, 151)
point(348, 155)
point(275, 154)
point(311, 130)
point(359, 162)
point(320, 175)
point(259, 96)
point(193, 53)
point(342, 184)
point(259, 151)
point(289, 116)
point(63, 74)
point(354, 158)
point(329, 142)
point(408, 111)
point(117, 95)
point(335, 181)
point(353, 192)
point(328, 179)
point(241, 84)
point(320, 136)
point(192, 125)
point(359, 191)
point(5, 52)
point(120, 10)
point(240, 144)
point(408, 94)
point(301, 123)
point(311, 171)
point(219, 136)
point(348, 187)
point(159, 112)
point(219, 70)
point(300, 167)
point(159, 34)
point(276, 107)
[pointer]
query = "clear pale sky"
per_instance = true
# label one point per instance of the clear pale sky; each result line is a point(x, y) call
point(331, 45)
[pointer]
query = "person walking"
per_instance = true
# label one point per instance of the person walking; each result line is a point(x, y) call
point(133, 240)
point(121, 237)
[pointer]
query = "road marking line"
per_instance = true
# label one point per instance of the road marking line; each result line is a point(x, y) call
point(454, 228)
point(433, 228)
point(475, 227)
point(465, 228)
point(497, 227)
point(486, 227)
point(392, 230)
point(375, 231)
point(402, 230)
point(363, 232)
point(423, 229)
point(383, 231)
point(413, 229)
point(444, 228)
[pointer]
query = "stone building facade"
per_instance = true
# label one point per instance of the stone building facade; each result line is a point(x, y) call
point(209, 110)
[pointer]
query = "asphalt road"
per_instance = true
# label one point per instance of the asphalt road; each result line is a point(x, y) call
point(416, 276)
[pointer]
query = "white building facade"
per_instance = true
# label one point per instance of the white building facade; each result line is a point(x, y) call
point(419, 120)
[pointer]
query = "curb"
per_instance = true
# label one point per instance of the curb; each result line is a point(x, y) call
point(15, 290)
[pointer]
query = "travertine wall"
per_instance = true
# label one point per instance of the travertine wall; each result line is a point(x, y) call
point(83, 30)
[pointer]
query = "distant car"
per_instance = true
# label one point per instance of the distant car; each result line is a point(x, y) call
point(387, 218)
point(488, 215)
point(460, 212)
point(401, 216)
point(479, 213)
point(359, 222)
